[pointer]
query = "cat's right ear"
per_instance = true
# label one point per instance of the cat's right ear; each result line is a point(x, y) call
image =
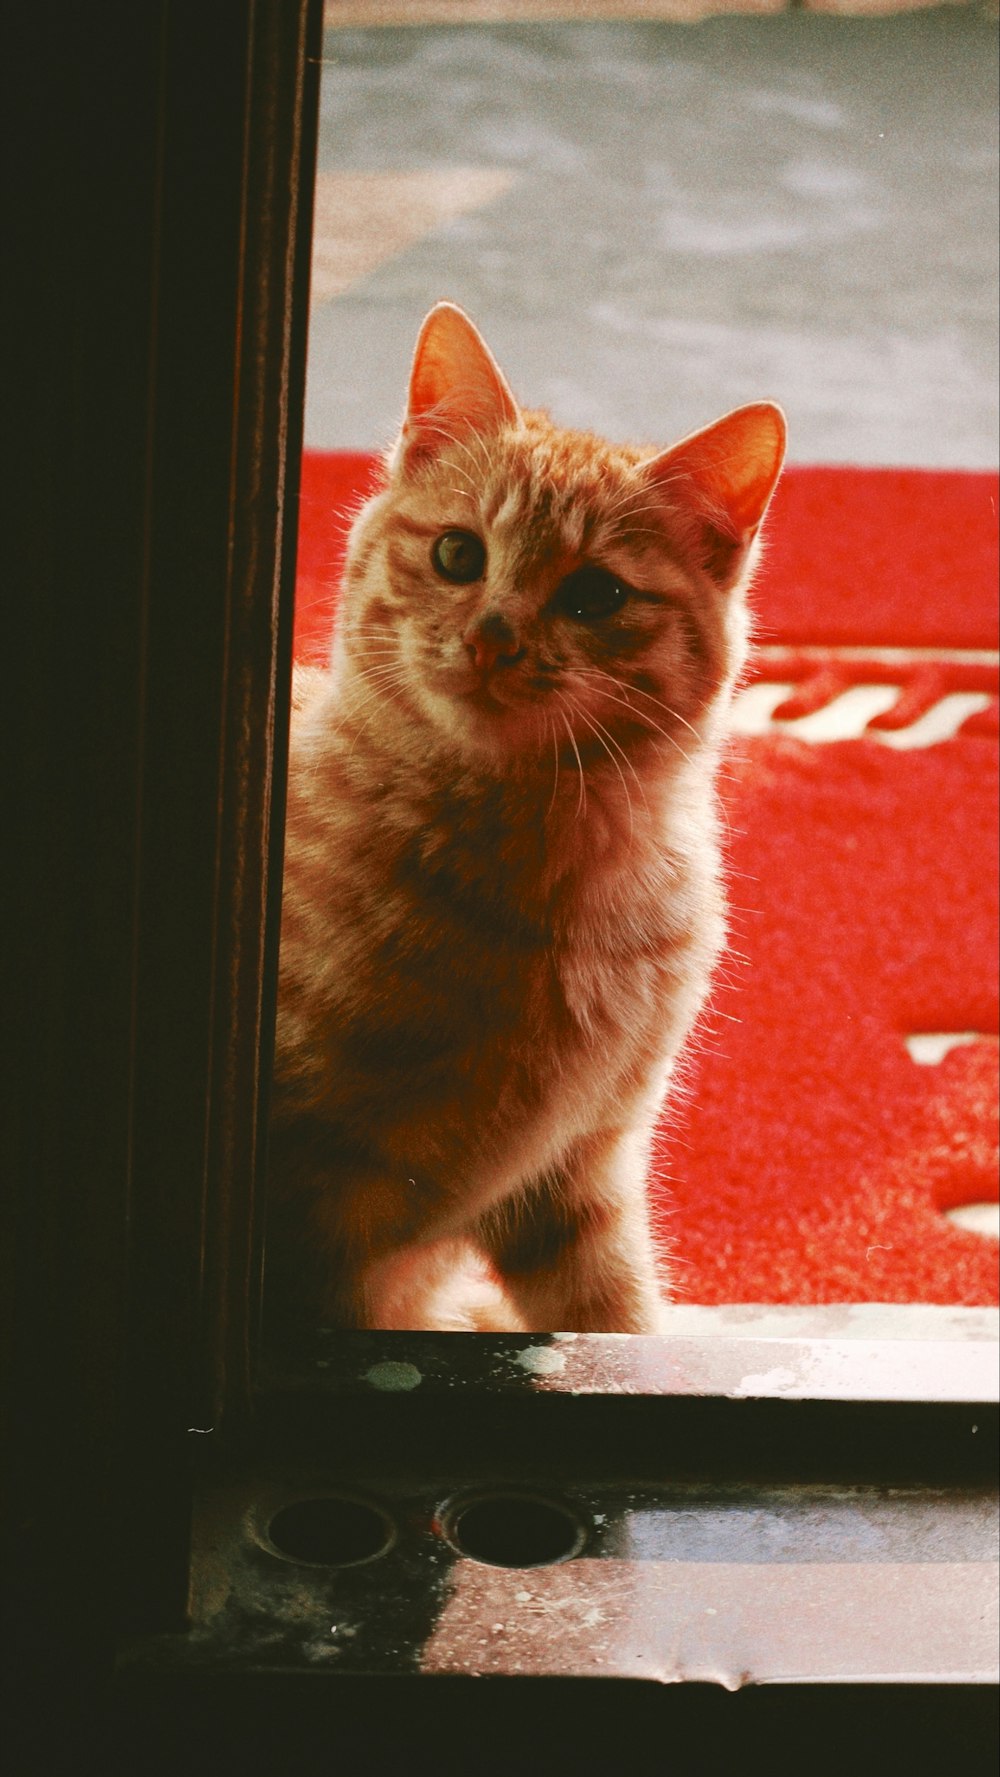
point(725, 476)
point(456, 386)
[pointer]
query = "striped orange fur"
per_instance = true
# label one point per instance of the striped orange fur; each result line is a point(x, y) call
point(502, 898)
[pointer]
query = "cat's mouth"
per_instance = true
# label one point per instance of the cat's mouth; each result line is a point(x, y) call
point(489, 697)
point(496, 693)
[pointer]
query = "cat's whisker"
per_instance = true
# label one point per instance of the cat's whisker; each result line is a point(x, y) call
point(382, 665)
point(350, 638)
point(464, 445)
point(314, 601)
point(471, 485)
point(378, 688)
point(640, 715)
point(555, 775)
point(621, 752)
point(457, 444)
point(675, 715)
point(625, 496)
point(386, 695)
point(345, 723)
point(475, 448)
point(626, 507)
point(643, 530)
point(668, 710)
point(380, 698)
point(628, 763)
point(377, 678)
point(596, 729)
point(386, 682)
point(582, 798)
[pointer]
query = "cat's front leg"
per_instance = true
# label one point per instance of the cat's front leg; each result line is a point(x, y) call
point(352, 1240)
point(442, 1287)
point(575, 1251)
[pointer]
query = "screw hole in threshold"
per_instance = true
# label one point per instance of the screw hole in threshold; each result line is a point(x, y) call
point(514, 1530)
point(334, 1531)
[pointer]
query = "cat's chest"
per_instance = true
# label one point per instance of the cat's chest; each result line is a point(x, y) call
point(615, 976)
point(581, 964)
point(589, 984)
point(444, 940)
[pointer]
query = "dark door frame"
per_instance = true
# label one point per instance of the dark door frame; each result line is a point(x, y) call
point(157, 247)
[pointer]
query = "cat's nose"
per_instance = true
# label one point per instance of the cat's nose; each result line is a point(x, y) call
point(491, 639)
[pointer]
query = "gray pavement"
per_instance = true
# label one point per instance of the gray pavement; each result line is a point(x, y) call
point(797, 206)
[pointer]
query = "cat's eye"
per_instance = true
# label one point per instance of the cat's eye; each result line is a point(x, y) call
point(459, 556)
point(591, 592)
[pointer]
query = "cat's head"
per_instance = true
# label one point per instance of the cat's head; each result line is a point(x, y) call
point(519, 591)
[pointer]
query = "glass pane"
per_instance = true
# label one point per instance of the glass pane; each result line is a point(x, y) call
point(499, 914)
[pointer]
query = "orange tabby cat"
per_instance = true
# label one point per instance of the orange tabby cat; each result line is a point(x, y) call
point(502, 901)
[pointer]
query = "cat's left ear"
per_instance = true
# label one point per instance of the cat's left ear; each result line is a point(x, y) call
point(456, 384)
point(725, 476)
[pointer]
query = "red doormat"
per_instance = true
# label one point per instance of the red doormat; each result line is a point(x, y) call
point(842, 1089)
